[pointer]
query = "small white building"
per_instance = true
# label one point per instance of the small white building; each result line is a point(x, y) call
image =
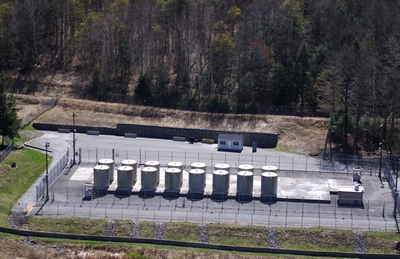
point(350, 195)
point(230, 142)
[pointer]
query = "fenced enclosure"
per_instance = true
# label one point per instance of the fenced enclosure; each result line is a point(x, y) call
point(374, 215)
point(8, 149)
point(285, 163)
point(53, 172)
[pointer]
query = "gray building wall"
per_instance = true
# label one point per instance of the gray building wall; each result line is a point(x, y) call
point(264, 140)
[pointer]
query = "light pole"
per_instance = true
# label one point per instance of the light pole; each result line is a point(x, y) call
point(380, 162)
point(396, 159)
point(47, 174)
point(73, 138)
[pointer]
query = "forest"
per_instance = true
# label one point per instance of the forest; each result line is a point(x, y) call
point(337, 58)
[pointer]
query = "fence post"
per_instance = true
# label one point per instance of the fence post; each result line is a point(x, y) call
point(292, 164)
point(279, 162)
point(306, 166)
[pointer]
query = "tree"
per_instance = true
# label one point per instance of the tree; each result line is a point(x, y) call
point(10, 124)
point(301, 78)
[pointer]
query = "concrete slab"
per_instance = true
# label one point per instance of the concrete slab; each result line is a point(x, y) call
point(289, 188)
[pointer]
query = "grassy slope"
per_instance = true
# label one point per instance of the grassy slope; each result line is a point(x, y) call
point(294, 132)
point(15, 181)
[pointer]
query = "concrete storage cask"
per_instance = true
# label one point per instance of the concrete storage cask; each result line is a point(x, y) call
point(134, 165)
point(244, 183)
point(248, 168)
point(269, 186)
point(101, 177)
point(225, 167)
point(178, 165)
point(173, 180)
point(149, 178)
point(197, 181)
point(156, 165)
point(269, 168)
point(198, 165)
point(110, 163)
point(125, 177)
point(220, 181)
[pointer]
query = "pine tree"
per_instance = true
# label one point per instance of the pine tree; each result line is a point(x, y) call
point(9, 122)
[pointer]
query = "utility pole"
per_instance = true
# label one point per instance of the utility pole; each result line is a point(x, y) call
point(73, 138)
point(380, 154)
point(47, 173)
point(397, 160)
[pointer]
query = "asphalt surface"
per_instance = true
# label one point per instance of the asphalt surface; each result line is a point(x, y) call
point(66, 194)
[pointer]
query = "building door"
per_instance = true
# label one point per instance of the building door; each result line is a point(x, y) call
point(229, 144)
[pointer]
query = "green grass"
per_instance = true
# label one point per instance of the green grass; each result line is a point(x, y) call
point(316, 239)
point(123, 228)
point(382, 242)
point(147, 229)
point(181, 231)
point(14, 181)
point(27, 133)
point(235, 235)
point(68, 225)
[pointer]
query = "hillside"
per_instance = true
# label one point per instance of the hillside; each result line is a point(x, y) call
point(294, 133)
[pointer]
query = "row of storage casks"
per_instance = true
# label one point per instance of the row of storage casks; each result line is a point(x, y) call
point(150, 177)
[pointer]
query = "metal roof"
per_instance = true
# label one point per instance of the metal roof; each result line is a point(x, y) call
point(230, 136)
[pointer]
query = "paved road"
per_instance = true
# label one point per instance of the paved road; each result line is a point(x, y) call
point(66, 195)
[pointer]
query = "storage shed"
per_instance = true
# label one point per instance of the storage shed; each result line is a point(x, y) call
point(350, 195)
point(230, 142)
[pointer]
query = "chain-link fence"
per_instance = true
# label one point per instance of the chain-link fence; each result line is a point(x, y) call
point(372, 215)
point(391, 171)
point(53, 172)
point(285, 163)
point(8, 150)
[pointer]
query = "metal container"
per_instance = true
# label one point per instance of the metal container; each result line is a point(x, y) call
point(225, 167)
point(101, 177)
point(269, 168)
point(269, 184)
point(244, 183)
point(198, 165)
point(156, 165)
point(134, 165)
point(248, 168)
point(110, 163)
point(149, 178)
point(173, 178)
point(178, 165)
point(125, 177)
point(220, 181)
point(197, 180)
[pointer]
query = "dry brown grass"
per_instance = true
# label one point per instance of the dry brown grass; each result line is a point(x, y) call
point(294, 133)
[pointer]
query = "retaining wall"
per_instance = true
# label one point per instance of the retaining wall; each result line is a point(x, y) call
point(264, 140)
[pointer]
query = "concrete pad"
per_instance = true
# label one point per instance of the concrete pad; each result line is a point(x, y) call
point(83, 174)
point(299, 189)
point(307, 189)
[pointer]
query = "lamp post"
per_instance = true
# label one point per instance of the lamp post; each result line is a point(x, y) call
point(380, 162)
point(73, 138)
point(47, 173)
point(397, 160)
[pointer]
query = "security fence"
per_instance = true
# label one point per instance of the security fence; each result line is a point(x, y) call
point(287, 163)
point(374, 215)
point(391, 171)
point(8, 150)
point(53, 172)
